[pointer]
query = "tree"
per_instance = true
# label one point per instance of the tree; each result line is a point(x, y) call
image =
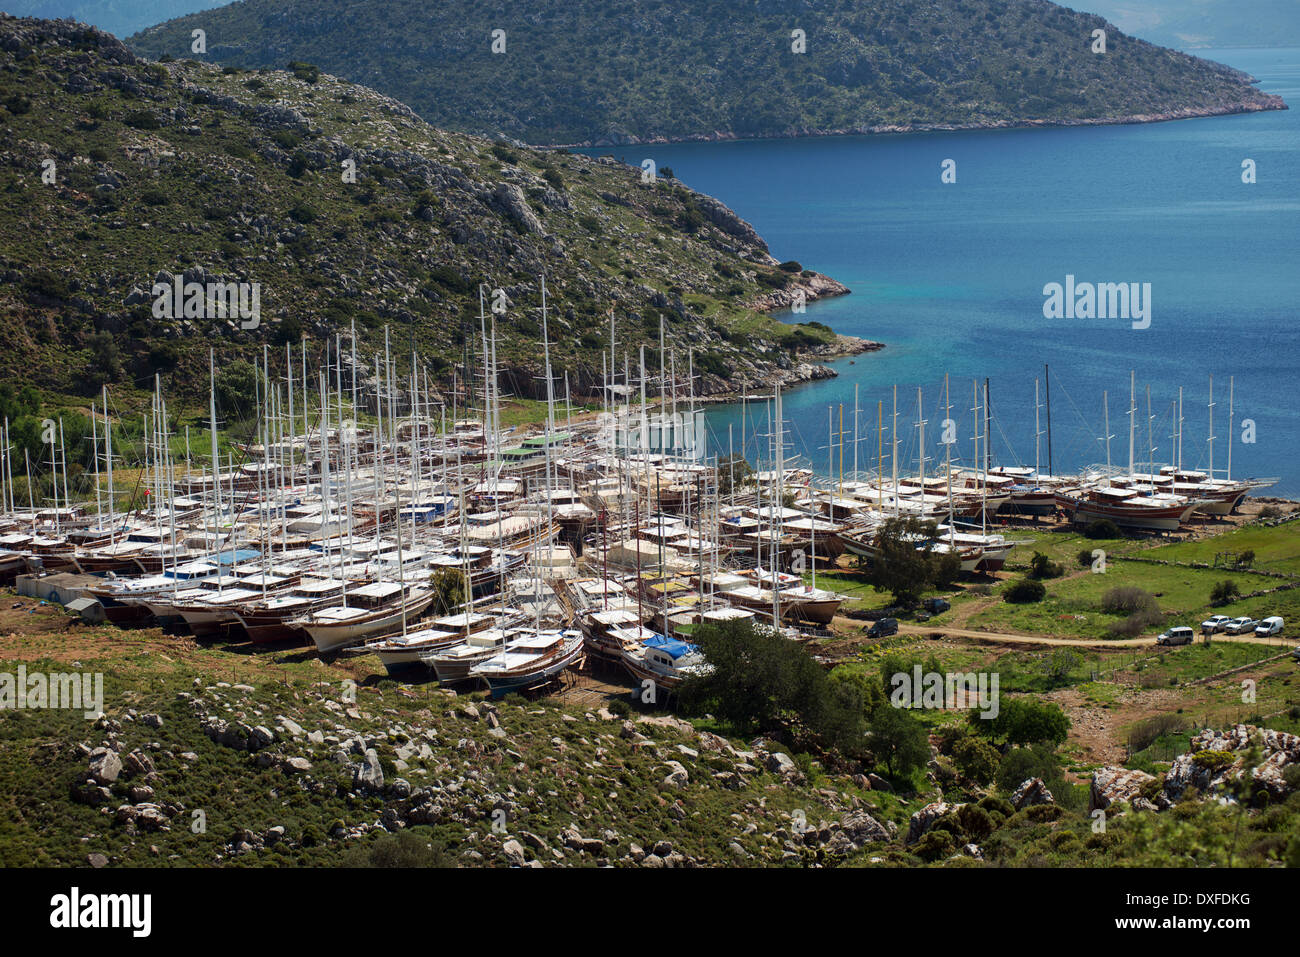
point(1059, 665)
point(1102, 528)
point(1224, 592)
point(763, 681)
point(448, 586)
point(734, 472)
point(1024, 721)
point(906, 562)
point(899, 740)
point(1042, 566)
point(1024, 592)
point(105, 365)
point(18, 402)
point(1038, 761)
point(236, 384)
point(405, 849)
point(975, 759)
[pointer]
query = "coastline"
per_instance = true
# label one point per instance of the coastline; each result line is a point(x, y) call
point(1270, 102)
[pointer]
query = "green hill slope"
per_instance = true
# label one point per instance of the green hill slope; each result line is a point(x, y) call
point(616, 71)
point(161, 169)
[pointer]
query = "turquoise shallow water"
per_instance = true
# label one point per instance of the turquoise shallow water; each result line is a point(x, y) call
point(951, 277)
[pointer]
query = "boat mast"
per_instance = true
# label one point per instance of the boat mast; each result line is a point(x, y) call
point(31, 503)
point(216, 459)
point(1180, 428)
point(1211, 438)
point(293, 440)
point(855, 431)
point(880, 455)
point(975, 425)
point(1105, 429)
point(893, 451)
point(550, 429)
point(1132, 421)
point(94, 445)
point(947, 457)
point(306, 429)
point(347, 439)
point(1230, 417)
point(1038, 435)
point(988, 439)
point(329, 541)
point(6, 473)
point(1047, 384)
point(1151, 441)
point(920, 441)
point(54, 477)
point(841, 438)
point(984, 476)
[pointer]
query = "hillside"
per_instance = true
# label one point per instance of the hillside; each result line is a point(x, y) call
point(209, 755)
point(166, 168)
point(625, 71)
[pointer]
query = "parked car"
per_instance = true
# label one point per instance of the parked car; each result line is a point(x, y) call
point(1240, 626)
point(936, 605)
point(883, 628)
point(1295, 653)
point(1179, 635)
point(1214, 623)
point(1269, 626)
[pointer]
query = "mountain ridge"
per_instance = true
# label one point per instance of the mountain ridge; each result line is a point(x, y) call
point(626, 72)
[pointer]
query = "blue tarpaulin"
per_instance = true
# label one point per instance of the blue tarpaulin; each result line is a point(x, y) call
point(671, 646)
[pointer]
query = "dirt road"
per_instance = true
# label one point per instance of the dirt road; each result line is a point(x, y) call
point(1006, 639)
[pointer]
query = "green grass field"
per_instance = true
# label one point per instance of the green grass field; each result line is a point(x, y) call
point(1276, 549)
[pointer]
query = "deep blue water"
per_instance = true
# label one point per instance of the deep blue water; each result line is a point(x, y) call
point(950, 276)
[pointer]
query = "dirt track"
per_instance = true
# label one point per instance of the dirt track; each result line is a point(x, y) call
point(1006, 639)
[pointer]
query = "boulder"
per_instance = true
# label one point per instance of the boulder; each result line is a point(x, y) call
point(922, 820)
point(138, 762)
point(514, 853)
point(293, 728)
point(509, 199)
point(1111, 784)
point(780, 763)
point(140, 793)
point(368, 775)
point(861, 829)
point(677, 775)
point(878, 783)
point(1031, 792)
point(1277, 751)
point(105, 765)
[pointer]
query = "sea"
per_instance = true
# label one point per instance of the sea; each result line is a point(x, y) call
point(953, 278)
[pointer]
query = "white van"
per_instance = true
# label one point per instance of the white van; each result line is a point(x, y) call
point(1269, 626)
point(1179, 635)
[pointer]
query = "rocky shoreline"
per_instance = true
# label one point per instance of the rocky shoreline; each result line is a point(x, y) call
point(811, 366)
point(815, 371)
